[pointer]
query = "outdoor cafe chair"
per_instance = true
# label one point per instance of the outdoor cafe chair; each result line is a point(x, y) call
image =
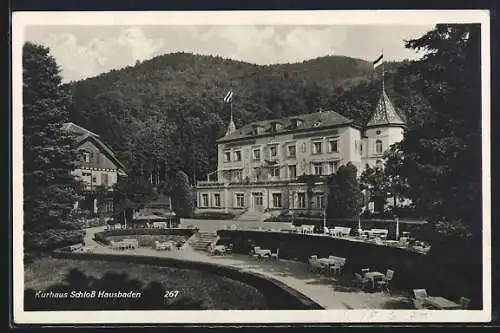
point(361, 280)
point(229, 248)
point(275, 255)
point(335, 268)
point(384, 283)
point(255, 251)
point(420, 298)
point(464, 302)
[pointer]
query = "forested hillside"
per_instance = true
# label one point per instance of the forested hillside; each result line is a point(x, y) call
point(165, 114)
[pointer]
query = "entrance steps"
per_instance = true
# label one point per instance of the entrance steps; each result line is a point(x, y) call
point(251, 216)
point(201, 239)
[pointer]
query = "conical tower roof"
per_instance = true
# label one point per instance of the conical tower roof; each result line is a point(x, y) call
point(385, 113)
point(231, 128)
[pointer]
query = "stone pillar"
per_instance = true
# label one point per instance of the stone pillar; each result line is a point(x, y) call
point(226, 199)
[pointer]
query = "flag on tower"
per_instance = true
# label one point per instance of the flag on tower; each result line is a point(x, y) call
point(379, 61)
point(228, 96)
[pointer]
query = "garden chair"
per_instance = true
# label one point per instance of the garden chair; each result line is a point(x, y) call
point(336, 268)
point(314, 264)
point(255, 252)
point(420, 298)
point(464, 302)
point(229, 248)
point(384, 283)
point(275, 255)
point(361, 280)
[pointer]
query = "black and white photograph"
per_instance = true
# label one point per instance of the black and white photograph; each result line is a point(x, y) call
point(251, 167)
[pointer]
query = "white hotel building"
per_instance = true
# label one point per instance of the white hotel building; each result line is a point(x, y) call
point(258, 164)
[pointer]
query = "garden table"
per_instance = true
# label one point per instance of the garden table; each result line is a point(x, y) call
point(264, 252)
point(441, 302)
point(374, 276)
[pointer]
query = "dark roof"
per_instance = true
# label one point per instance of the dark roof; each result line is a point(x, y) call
point(310, 121)
point(385, 113)
point(84, 134)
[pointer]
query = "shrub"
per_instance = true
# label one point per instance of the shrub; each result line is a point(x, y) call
point(51, 239)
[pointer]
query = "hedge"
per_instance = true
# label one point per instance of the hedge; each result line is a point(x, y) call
point(101, 237)
point(278, 295)
point(214, 216)
point(412, 269)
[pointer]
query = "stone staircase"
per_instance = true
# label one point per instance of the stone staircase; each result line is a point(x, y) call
point(250, 216)
point(201, 239)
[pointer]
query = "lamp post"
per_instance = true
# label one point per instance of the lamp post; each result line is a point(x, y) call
point(397, 226)
point(324, 220)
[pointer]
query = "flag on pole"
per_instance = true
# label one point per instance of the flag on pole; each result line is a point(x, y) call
point(379, 61)
point(228, 96)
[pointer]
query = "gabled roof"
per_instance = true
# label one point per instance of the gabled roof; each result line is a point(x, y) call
point(310, 121)
point(83, 135)
point(385, 113)
point(75, 129)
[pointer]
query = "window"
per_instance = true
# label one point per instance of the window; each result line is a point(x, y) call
point(301, 200)
point(237, 175)
point(105, 179)
point(204, 200)
point(333, 146)
point(291, 151)
point(256, 154)
point(86, 156)
point(227, 156)
point(317, 147)
point(304, 147)
point(94, 180)
point(275, 171)
point(318, 169)
point(216, 199)
point(258, 198)
point(276, 200)
point(320, 198)
point(378, 147)
point(237, 155)
point(258, 173)
point(332, 167)
point(273, 151)
point(360, 149)
point(292, 171)
point(240, 200)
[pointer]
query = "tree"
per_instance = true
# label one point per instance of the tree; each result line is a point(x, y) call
point(49, 153)
point(344, 195)
point(393, 164)
point(182, 196)
point(376, 183)
point(442, 155)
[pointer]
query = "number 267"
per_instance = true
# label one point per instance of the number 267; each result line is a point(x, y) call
point(171, 294)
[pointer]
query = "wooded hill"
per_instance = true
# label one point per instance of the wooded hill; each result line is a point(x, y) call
point(166, 113)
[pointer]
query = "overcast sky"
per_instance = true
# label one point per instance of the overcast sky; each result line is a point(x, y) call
point(85, 51)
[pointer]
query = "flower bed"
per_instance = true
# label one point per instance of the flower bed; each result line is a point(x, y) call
point(146, 236)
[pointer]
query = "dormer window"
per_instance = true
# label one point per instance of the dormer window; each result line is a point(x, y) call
point(296, 122)
point(275, 126)
point(257, 129)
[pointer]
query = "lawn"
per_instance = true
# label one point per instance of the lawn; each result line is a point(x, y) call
point(197, 290)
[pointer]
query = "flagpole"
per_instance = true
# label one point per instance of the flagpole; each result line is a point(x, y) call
point(383, 72)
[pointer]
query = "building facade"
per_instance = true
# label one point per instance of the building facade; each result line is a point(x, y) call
point(99, 170)
point(262, 165)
